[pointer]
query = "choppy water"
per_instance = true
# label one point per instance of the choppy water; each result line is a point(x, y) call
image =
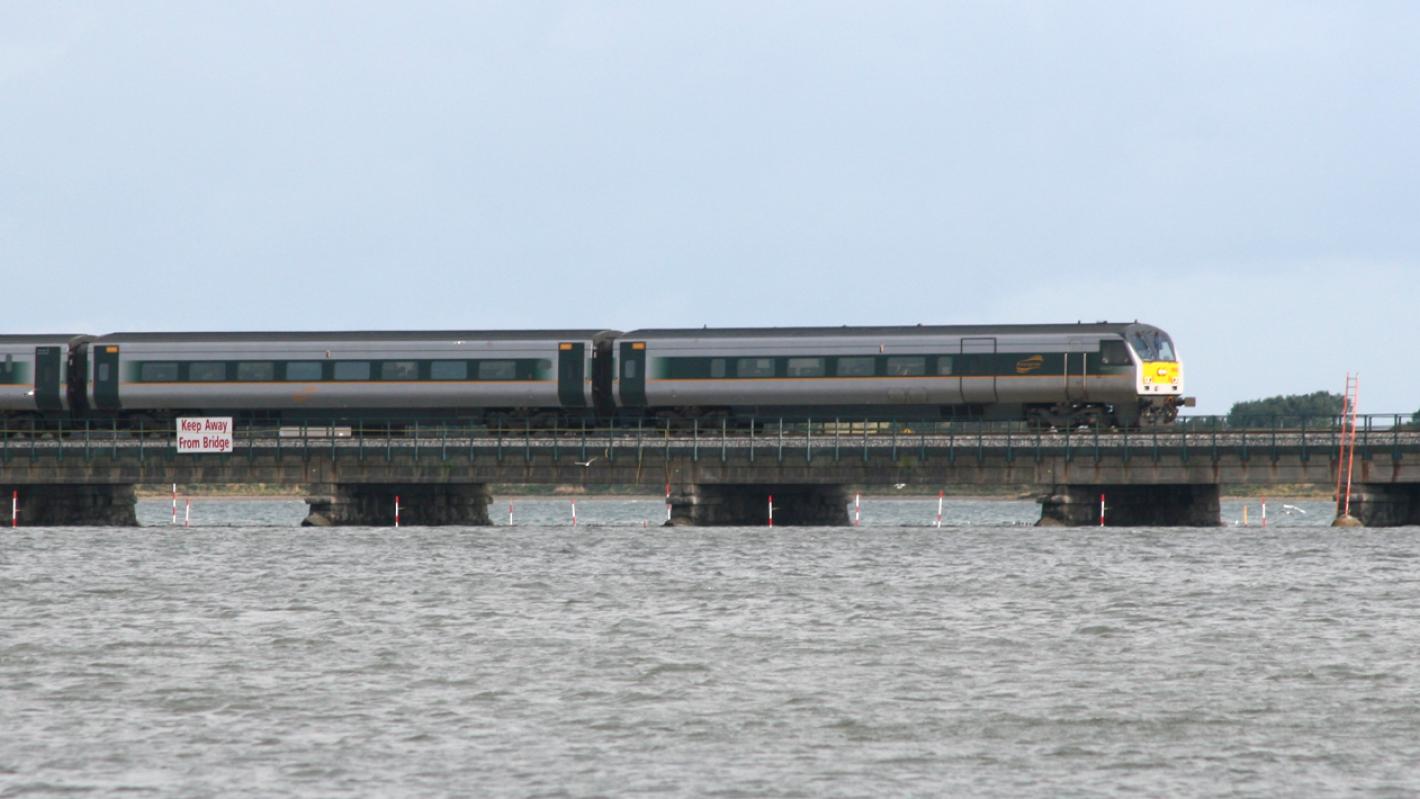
point(248, 657)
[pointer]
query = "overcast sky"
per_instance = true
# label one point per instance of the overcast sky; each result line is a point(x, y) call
point(1244, 175)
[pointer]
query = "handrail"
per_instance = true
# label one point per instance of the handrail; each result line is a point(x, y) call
point(1206, 438)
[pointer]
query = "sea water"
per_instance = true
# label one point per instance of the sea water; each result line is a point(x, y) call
point(245, 656)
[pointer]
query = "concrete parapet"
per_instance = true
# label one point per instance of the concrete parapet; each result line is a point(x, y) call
point(748, 505)
point(372, 504)
point(98, 505)
point(1131, 506)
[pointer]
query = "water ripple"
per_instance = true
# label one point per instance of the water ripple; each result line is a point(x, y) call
point(988, 658)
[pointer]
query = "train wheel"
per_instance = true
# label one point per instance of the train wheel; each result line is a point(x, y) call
point(1154, 416)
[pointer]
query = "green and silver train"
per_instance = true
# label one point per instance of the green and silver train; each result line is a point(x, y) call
point(1126, 375)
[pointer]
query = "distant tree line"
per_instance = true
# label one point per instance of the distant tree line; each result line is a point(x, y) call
point(1263, 412)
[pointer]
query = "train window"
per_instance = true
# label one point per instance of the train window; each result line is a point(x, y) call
point(206, 371)
point(497, 370)
point(103, 373)
point(352, 370)
point(303, 370)
point(399, 370)
point(629, 370)
point(158, 372)
point(755, 367)
point(1114, 353)
point(806, 367)
point(907, 366)
point(1165, 347)
point(9, 363)
point(944, 365)
point(256, 370)
point(1143, 346)
point(856, 367)
point(717, 367)
point(448, 370)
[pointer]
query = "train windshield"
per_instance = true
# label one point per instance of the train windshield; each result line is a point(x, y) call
point(1152, 344)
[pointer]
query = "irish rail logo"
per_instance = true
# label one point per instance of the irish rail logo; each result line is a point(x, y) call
point(1028, 365)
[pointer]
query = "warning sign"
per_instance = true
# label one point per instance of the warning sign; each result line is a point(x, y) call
point(204, 434)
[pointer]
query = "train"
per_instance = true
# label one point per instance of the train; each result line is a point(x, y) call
point(1126, 375)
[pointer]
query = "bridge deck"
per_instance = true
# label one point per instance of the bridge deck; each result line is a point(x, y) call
point(779, 451)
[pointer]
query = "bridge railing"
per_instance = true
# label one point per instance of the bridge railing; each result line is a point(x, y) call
point(1201, 437)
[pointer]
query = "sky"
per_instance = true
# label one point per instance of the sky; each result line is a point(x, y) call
point(1244, 175)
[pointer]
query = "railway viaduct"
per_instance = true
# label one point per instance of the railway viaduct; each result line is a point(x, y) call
point(717, 477)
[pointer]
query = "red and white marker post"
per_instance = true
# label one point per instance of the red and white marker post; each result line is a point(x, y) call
point(771, 510)
point(668, 503)
point(574, 513)
point(1101, 510)
point(187, 514)
point(510, 514)
point(941, 497)
point(15, 508)
point(174, 503)
point(857, 510)
point(1264, 511)
point(396, 510)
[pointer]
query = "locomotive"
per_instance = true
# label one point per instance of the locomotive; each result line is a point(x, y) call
point(1127, 375)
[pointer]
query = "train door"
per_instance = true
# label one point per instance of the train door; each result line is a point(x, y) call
point(949, 366)
point(978, 381)
point(572, 374)
point(632, 375)
point(49, 365)
point(106, 377)
point(1077, 380)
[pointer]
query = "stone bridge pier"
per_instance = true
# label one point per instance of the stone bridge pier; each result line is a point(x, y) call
point(1387, 505)
point(73, 505)
point(748, 505)
point(1131, 506)
point(421, 504)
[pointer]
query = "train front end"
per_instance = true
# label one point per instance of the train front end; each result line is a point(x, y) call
point(1159, 380)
